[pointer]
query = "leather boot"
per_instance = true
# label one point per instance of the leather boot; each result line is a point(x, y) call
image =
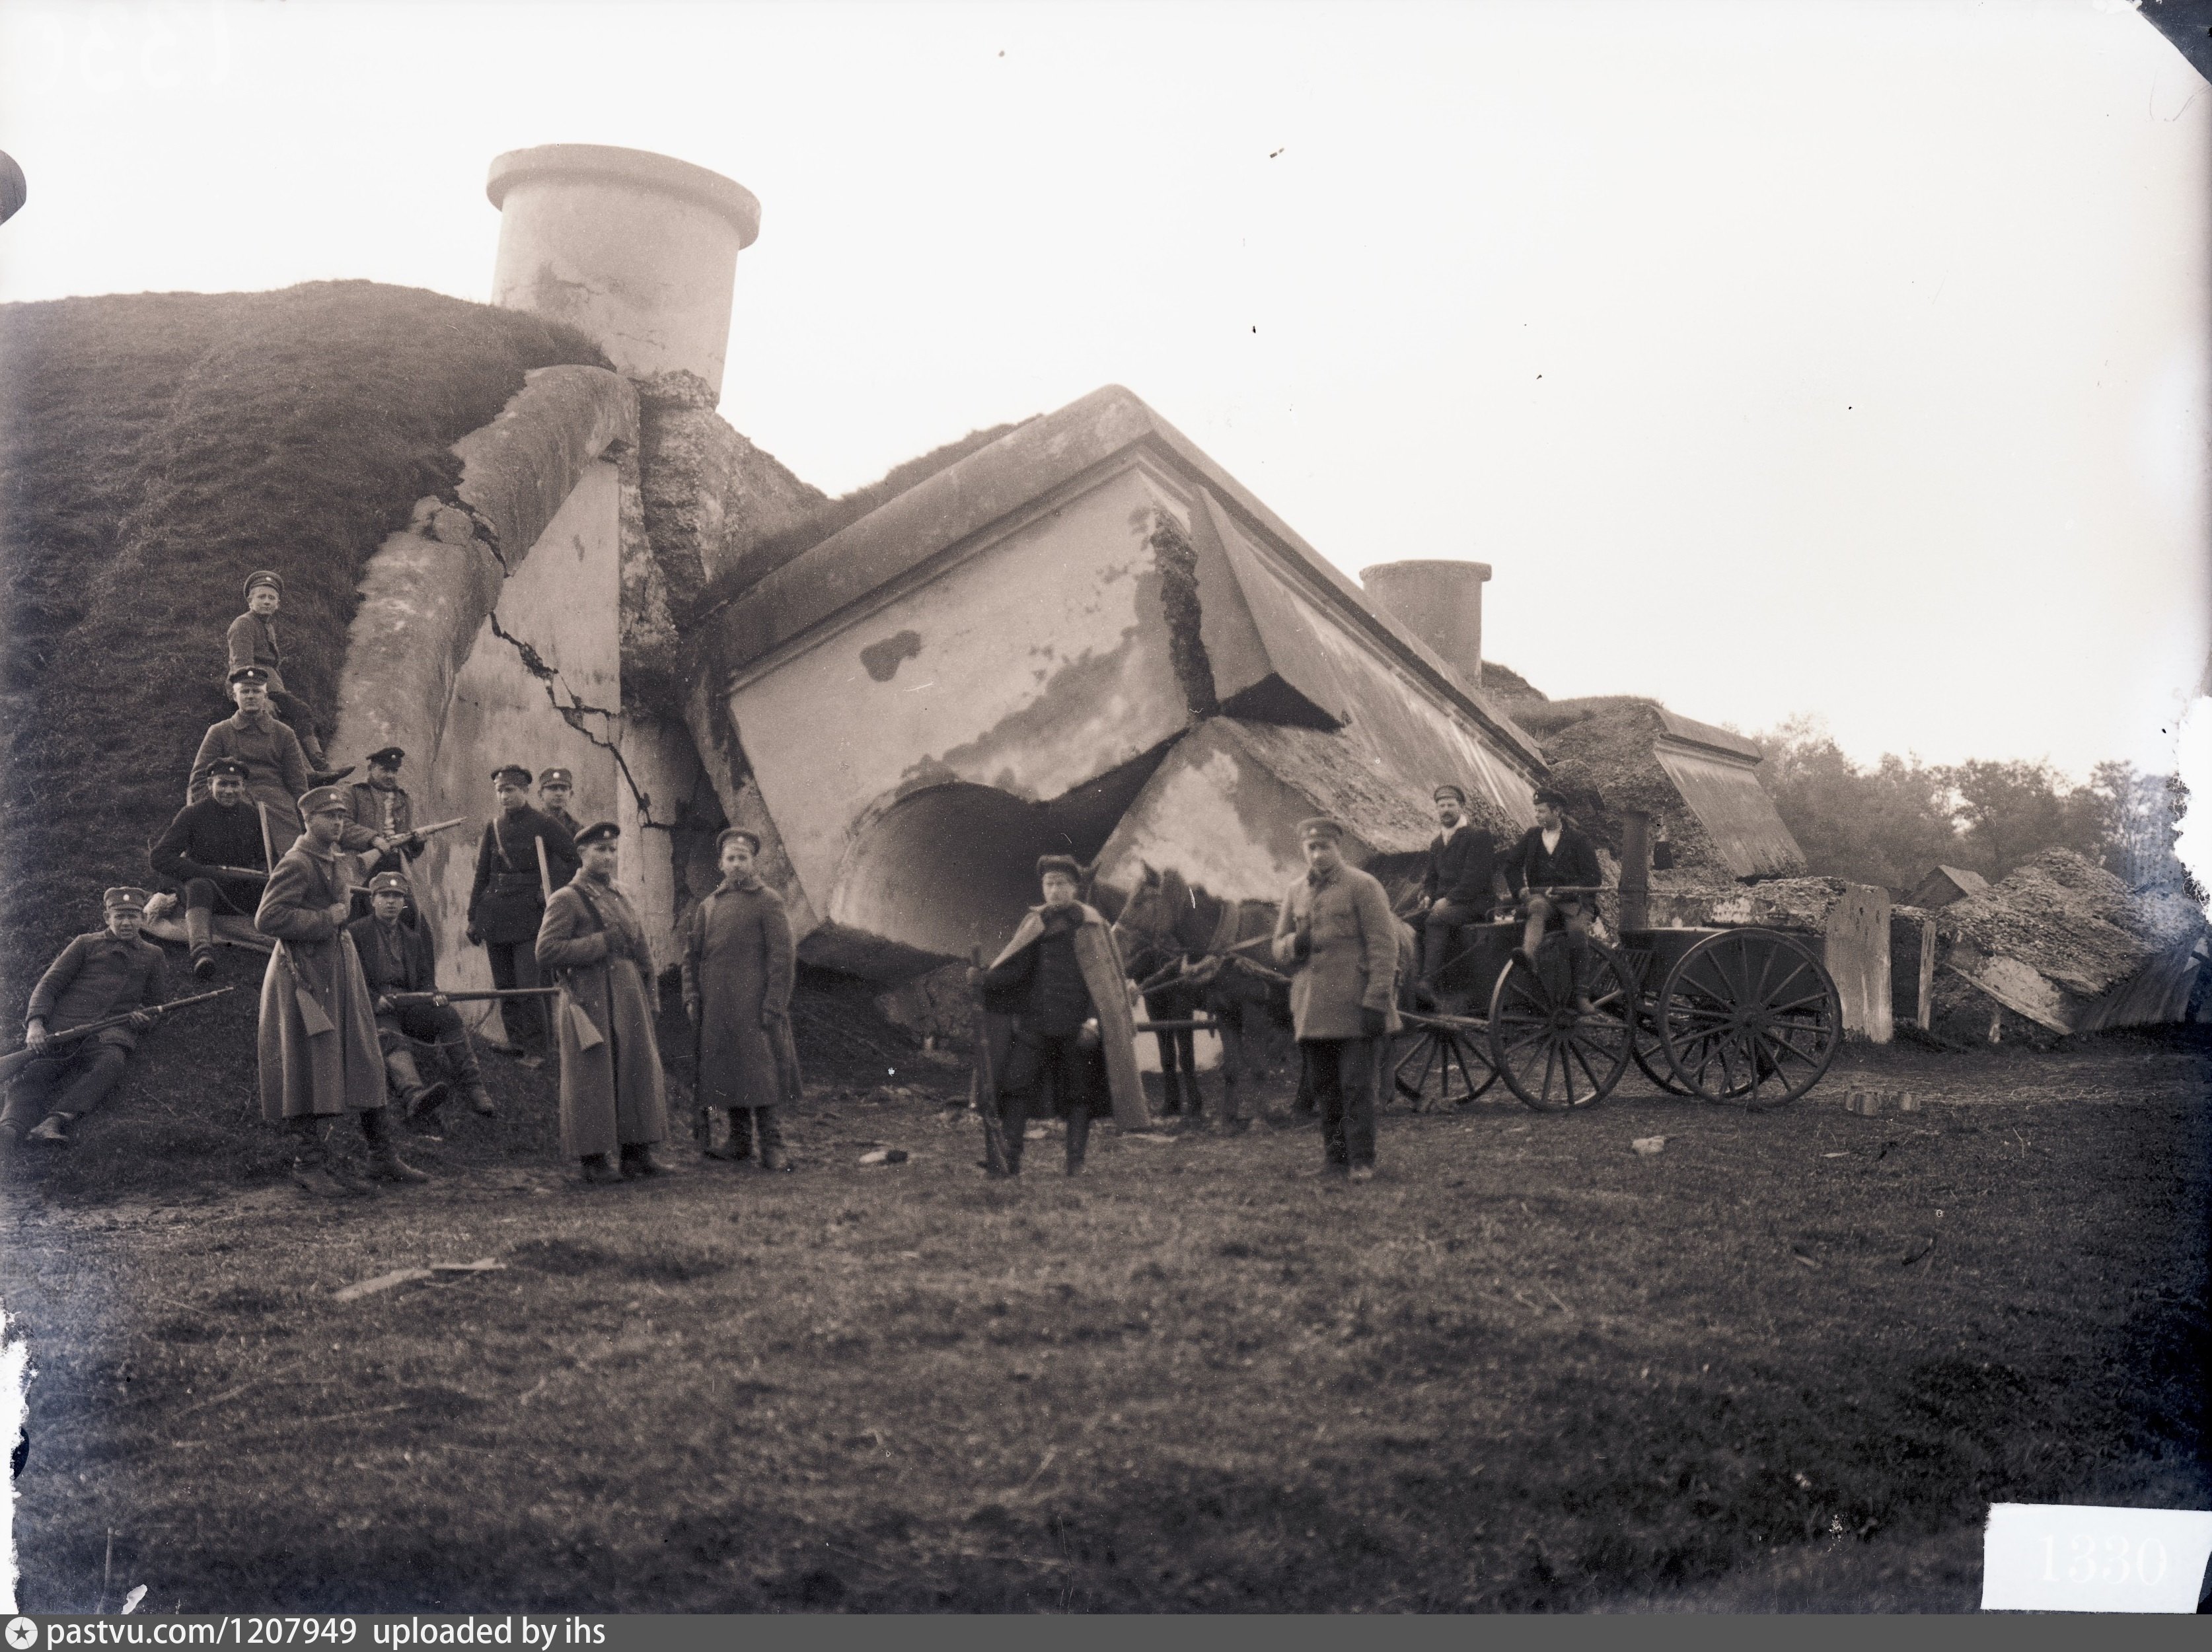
point(772, 1155)
point(199, 939)
point(598, 1172)
point(310, 1171)
point(638, 1159)
point(739, 1146)
point(416, 1099)
point(385, 1163)
point(460, 1058)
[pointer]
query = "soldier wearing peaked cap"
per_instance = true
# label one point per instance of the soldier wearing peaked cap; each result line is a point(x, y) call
point(555, 786)
point(506, 902)
point(397, 959)
point(212, 850)
point(612, 1100)
point(382, 808)
point(275, 767)
point(1337, 936)
point(252, 641)
point(318, 1048)
point(108, 971)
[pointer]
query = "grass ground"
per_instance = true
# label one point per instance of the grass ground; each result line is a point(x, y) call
point(156, 448)
point(1786, 1364)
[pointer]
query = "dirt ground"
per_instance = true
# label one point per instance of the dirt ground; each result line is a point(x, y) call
point(1784, 1364)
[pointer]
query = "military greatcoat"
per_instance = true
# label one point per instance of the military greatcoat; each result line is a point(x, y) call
point(611, 1094)
point(738, 962)
point(1353, 964)
point(318, 1045)
point(1108, 983)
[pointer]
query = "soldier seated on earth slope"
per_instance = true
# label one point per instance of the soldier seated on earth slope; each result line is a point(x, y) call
point(398, 960)
point(213, 849)
point(105, 972)
point(252, 641)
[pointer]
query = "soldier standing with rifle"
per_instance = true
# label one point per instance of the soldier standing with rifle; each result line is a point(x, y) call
point(97, 977)
point(216, 851)
point(318, 1050)
point(401, 967)
point(523, 859)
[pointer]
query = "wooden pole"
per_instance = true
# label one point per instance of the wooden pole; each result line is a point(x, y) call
point(987, 1079)
point(1635, 870)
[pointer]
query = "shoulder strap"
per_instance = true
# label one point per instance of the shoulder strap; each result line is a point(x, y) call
point(598, 922)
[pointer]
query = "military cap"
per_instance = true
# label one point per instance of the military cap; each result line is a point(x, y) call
point(751, 838)
point(512, 774)
point(1318, 829)
point(227, 766)
point(323, 799)
point(263, 576)
point(604, 831)
point(557, 777)
point(1546, 794)
point(250, 674)
point(1449, 790)
point(391, 757)
point(389, 883)
point(1059, 863)
point(126, 898)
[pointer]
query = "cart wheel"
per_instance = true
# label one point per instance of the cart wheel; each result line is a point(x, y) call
point(1439, 1049)
point(1750, 1017)
point(1651, 1056)
point(1551, 1056)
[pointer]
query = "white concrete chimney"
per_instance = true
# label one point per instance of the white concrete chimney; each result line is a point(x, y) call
point(637, 250)
point(1440, 602)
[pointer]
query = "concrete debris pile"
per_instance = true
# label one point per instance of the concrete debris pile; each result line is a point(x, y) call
point(2062, 946)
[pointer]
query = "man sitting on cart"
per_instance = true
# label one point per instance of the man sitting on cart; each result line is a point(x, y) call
point(1554, 857)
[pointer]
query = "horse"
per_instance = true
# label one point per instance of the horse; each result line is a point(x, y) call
point(1167, 920)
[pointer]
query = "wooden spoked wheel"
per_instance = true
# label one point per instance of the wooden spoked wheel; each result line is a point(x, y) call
point(1749, 1017)
point(1434, 1048)
point(1553, 1055)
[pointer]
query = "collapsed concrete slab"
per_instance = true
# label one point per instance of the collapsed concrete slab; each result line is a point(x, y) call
point(1002, 660)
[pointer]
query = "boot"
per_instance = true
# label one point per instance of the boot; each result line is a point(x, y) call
point(460, 1058)
point(50, 1131)
point(772, 1156)
point(1079, 1139)
point(199, 936)
point(310, 1171)
point(343, 1168)
point(10, 1138)
point(480, 1098)
point(598, 1172)
point(739, 1146)
point(416, 1099)
point(638, 1160)
point(385, 1163)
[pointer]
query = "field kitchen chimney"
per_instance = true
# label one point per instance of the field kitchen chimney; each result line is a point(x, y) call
point(1438, 601)
point(638, 251)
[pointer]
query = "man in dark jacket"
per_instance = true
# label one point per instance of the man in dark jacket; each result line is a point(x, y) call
point(252, 641)
point(380, 805)
point(507, 903)
point(397, 959)
point(1456, 889)
point(213, 850)
point(556, 787)
point(1551, 855)
point(110, 971)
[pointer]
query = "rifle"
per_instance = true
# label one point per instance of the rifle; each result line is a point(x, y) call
point(12, 1064)
point(240, 871)
point(415, 834)
point(545, 871)
point(987, 1081)
point(407, 1000)
point(268, 853)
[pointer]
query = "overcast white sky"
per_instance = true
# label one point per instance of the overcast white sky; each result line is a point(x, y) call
point(1834, 358)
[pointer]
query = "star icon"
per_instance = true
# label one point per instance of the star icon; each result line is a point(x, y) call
point(23, 1634)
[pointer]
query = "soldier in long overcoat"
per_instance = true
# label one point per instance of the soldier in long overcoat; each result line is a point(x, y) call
point(1036, 1008)
point(738, 963)
point(590, 942)
point(1338, 936)
point(319, 1049)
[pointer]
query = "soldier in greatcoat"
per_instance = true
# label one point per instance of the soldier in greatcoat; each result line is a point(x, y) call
point(1062, 981)
point(507, 903)
point(1337, 936)
point(612, 1101)
point(397, 959)
point(319, 1051)
point(738, 963)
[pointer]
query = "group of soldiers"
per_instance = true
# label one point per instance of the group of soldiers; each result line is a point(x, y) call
point(350, 1006)
point(351, 997)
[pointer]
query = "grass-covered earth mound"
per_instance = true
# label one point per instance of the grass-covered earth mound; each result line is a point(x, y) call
point(155, 449)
